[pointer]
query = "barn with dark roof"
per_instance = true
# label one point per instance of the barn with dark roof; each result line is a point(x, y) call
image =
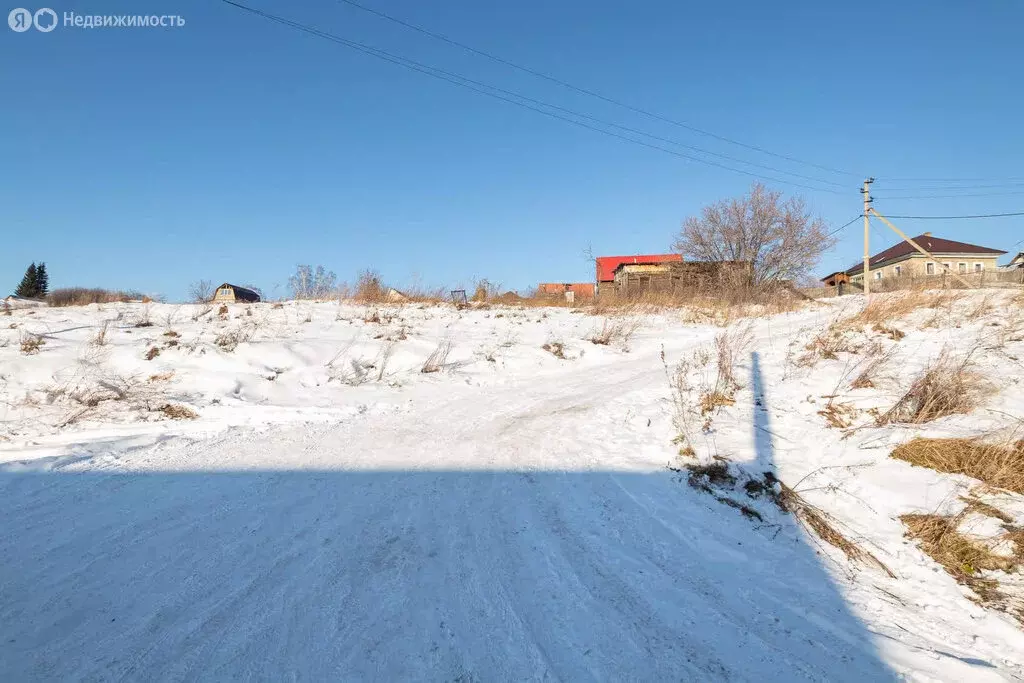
point(228, 293)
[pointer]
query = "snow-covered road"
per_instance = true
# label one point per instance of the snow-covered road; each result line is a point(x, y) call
point(515, 531)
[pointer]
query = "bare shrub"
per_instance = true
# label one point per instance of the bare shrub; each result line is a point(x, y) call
point(868, 372)
point(308, 283)
point(82, 296)
point(826, 345)
point(946, 386)
point(176, 411)
point(437, 358)
point(31, 343)
point(486, 290)
point(369, 287)
point(679, 388)
point(98, 392)
point(6, 308)
point(730, 346)
point(200, 291)
point(230, 339)
point(619, 331)
point(142, 318)
point(781, 239)
point(996, 461)
point(100, 338)
point(201, 311)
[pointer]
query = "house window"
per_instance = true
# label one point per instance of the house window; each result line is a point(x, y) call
point(878, 275)
point(226, 291)
point(898, 270)
point(929, 268)
point(947, 266)
point(978, 267)
point(962, 268)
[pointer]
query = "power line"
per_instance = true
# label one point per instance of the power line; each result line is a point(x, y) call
point(952, 196)
point(949, 218)
point(949, 180)
point(471, 84)
point(842, 227)
point(949, 187)
point(585, 91)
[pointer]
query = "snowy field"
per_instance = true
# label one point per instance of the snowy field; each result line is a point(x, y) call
point(340, 492)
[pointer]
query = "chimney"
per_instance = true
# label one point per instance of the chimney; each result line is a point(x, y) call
point(927, 234)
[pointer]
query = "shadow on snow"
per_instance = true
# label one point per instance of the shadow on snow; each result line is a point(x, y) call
point(392, 575)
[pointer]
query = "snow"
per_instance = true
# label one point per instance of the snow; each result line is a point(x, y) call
point(511, 516)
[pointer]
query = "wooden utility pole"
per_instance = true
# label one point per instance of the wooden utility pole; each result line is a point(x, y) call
point(866, 191)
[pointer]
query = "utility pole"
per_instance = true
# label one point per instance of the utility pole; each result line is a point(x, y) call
point(866, 191)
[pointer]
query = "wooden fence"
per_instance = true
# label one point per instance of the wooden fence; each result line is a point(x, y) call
point(989, 278)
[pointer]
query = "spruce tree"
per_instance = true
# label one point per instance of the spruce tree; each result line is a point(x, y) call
point(42, 281)
point(28, 284)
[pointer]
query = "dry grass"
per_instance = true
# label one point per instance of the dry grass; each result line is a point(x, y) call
point(983, 508)
point(177, 411)
point(82, 296)
point(997, 463)
point(712, 401)
point(839, 415)
point(152, 353)
point(824, 526)
point(963, 558)
point(869, 370)
point(615, 332)
point(980, 307)
point(946, 386)
point(893, 333)
point(31, 343)
point(826, 345)
point(230, 339)
point(100, 338)
point(883, 309)
point(369, 287)
point(555, 348)
point(438, 357)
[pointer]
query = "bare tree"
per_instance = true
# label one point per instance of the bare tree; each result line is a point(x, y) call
point(200, 291)
point(307, 283)
point(780, 238)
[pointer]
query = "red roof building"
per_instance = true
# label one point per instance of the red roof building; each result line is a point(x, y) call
point(606, 265)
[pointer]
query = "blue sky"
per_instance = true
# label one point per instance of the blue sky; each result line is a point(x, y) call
point(234, 148)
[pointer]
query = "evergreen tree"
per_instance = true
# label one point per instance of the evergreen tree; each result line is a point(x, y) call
point(42, 282)
point(28, 284)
